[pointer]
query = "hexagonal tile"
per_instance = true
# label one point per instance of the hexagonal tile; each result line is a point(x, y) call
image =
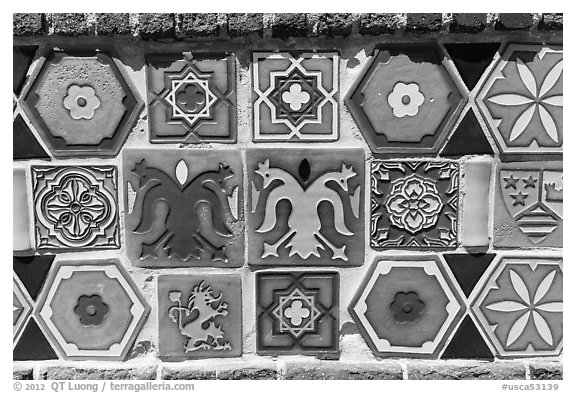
point(200, 316)
point(191, 97)
point(306, 206)
point(520, 306)
point(21, 308)
point(81, 103)
point(407, 306)
point(295, 97)
point(297, 313)
point(75, 207)
point(414, 204)
point(405, 101)
point(91, 309)
point(184, 208)
point(521, 100)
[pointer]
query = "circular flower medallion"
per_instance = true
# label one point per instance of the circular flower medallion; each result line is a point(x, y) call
point(91, 310)
point(413, 203)
point(405, 99)
point(407, 307)
point(81, 101)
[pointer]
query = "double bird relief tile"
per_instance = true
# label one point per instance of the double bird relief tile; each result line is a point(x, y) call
point(521, 100)
point(295, 97)
point(75, 207)
point(520, 306)
point(306, 207)
point(199, 316)
point(414, 204)
point(91, 309)
point(82, 104)
point(184, 208)
point(191, 97)
point(528, 206)
point(297, 313)
point(405, 101)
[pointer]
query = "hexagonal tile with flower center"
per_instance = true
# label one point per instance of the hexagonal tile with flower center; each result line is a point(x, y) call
point(81, 103)
point(405, 100)
point(91, 310)
point(407, 306)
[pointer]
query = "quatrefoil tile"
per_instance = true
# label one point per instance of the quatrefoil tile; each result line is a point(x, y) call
point(295, 97)
point(414, 204)
point(520, 306)
point(191, 97)
point(81, 103)
point(199, 316)
point(522, 102)
point(75, 207)
point(184, 208)
point(91, 309)
point(297, 313)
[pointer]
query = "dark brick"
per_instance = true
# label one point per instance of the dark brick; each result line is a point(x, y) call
point(472, 370)
point(289, 25)
point(62, 373)
point(334, 25)
point(514, 21)
point(374, 24)
point(551, 22)
point(251, 373)
point(71, 24)
point(200, 25)
point(169, 373)
point(241, 25)
point(424, 22)
point(22, 374)
point(28, 24)
point(157, 26)
point(336, 370)
point(112, 24)
point(467, 23)
point(546, 370)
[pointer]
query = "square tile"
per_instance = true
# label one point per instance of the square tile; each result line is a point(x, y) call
point(200, 316)
point(191, 97)
point(528, 205)
point(414, 204)
point(295, 97)
point(20, 218)
point(297, 313)
point(306, 207)
point(76, 207)
point(184, 208)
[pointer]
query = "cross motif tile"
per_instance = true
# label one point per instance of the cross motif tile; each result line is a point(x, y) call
point(295, 97)
point(414, 204)
point(184, 208)
point(200, 316)
point(520, 306)
point(75, 207)
point(191, 97)
point(306, 206)
point(522, 102)
point(297, 313)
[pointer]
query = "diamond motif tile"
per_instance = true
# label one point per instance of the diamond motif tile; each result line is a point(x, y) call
point(75, 207)
point(528, 206)
point(520, 306)
point(91, 309)
point(191, 97)
point(405, 101)
point(184, 208)
point(297, 313)
point(406, 307)
point(306, 206)
point(414, 204)
point(200, 316)
point(21, 308)
point(295, 97)
point(521, 100)
point(82, 104)
point(20, 219)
